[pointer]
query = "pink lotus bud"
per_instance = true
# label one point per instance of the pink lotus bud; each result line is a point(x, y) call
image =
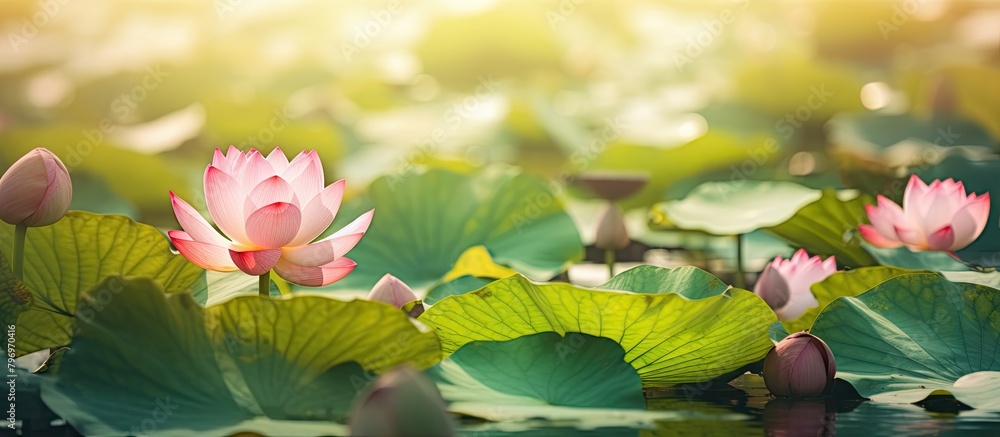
point(401, 402)
point(939, 216)
point(611, 232)
point(392, 291)
point(784, 284)
point(36, 190)
point(801, 365)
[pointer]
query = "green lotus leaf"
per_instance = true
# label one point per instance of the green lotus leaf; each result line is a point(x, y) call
point(842, 283)
point(914, 334)
point(424, 221)
point(75, 254)
point(829, 227)
point(978, 177)
point(546, 375)
point(738, 207)
point(690, 282)
point(903, 257)
point(668, 338)
point(206, 369)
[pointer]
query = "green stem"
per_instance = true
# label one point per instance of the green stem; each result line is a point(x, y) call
point(20, 231)
point(609, 259)
point(264, 289)
point(740, 281)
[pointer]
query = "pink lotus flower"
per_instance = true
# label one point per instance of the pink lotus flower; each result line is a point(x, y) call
point(784, 284)
point(269, 210)
point(935, 217)
point(36, 190)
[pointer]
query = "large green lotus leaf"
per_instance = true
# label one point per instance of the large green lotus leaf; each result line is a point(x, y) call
point(74, 255)
point(690, 282)
point(829, 227)
point(842, 283)
point(738, 207)
point(978, 177)
point(914, 334)
point(903, 257)
point(684, 161)
point(297, 358)
point(545, 375)
point(668, 338)
point(424, 221)
point(989, 279)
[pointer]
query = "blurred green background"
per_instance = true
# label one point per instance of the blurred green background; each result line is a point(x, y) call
point(134, 95)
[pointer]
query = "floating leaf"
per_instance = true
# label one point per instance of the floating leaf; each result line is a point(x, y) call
point(738, 207)
point(829, 227)
point(75, 254)
point(425, 221)
point(548, 374)
point(209, 369)
point(669, 339)
point(914, 334)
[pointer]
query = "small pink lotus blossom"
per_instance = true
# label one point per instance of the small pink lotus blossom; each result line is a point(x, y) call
point(36, 190)
point(939, 216)
point(270, 210)
point(392, 291)
point(784, 284)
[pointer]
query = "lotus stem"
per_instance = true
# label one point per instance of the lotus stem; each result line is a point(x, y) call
point(264, 289)
point(609, 259)
point(20, 231)
point(740, 280)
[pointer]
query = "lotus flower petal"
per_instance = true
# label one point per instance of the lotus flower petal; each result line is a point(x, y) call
point(875, 237)
point(256, 170)
point(942, 239)
point(194, 224)
point(202, 254)
point(255, 262)
point(225, 197)
point(271, 190)
point(333, 247)
point(315, 276)
point(319, 213)
point(277, 160)
point(274, 225)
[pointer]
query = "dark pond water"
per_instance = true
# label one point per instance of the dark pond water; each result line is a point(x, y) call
point(749, 411)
